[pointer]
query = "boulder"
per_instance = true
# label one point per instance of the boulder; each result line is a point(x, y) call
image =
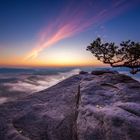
point(83, 107)
point(100, 72)
point(83, 72)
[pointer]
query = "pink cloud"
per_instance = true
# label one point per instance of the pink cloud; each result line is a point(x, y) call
point(75, 19)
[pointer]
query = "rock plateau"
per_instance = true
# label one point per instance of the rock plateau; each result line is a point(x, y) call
point(97, 106)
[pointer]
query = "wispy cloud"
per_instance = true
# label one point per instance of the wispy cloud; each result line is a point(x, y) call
point(76, 18)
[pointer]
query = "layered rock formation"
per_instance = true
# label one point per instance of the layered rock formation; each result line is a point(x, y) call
point(97, 106)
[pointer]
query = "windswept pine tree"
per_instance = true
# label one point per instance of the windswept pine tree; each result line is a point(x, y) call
point(127, 54)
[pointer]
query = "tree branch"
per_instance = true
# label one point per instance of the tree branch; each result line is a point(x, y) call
point(125, 55)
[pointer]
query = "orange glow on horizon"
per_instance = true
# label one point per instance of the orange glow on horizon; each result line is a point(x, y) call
point(16, 63)
point(55, 59)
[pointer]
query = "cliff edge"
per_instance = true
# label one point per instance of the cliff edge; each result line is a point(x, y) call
point(104, 105)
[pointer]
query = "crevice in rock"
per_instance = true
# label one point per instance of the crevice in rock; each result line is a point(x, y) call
point(78, 96)
point(130, 111)
point(15, 132)
point(21, 131)
point(109, 85)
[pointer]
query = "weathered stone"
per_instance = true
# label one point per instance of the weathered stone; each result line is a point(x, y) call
point(109, 108)
point(83, 107)
point(47, 115)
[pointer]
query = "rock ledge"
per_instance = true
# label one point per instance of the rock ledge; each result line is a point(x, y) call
point(103, 106)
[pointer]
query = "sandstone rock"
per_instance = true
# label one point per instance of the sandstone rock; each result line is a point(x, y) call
point(83, 107)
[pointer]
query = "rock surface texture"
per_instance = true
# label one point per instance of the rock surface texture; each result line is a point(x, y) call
point(97, 106)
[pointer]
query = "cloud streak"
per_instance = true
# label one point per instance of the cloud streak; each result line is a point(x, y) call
point(76, 18)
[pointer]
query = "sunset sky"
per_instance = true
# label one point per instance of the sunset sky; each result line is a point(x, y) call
point(56, 32)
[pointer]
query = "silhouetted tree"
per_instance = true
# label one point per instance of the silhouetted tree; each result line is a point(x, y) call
point(127, 54)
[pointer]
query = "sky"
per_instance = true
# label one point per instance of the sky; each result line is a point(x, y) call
point(40, 33)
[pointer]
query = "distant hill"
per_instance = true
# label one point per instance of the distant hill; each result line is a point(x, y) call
point(38, 71)
point(15, 70)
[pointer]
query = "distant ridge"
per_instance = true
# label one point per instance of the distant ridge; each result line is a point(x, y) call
point(15, 70)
